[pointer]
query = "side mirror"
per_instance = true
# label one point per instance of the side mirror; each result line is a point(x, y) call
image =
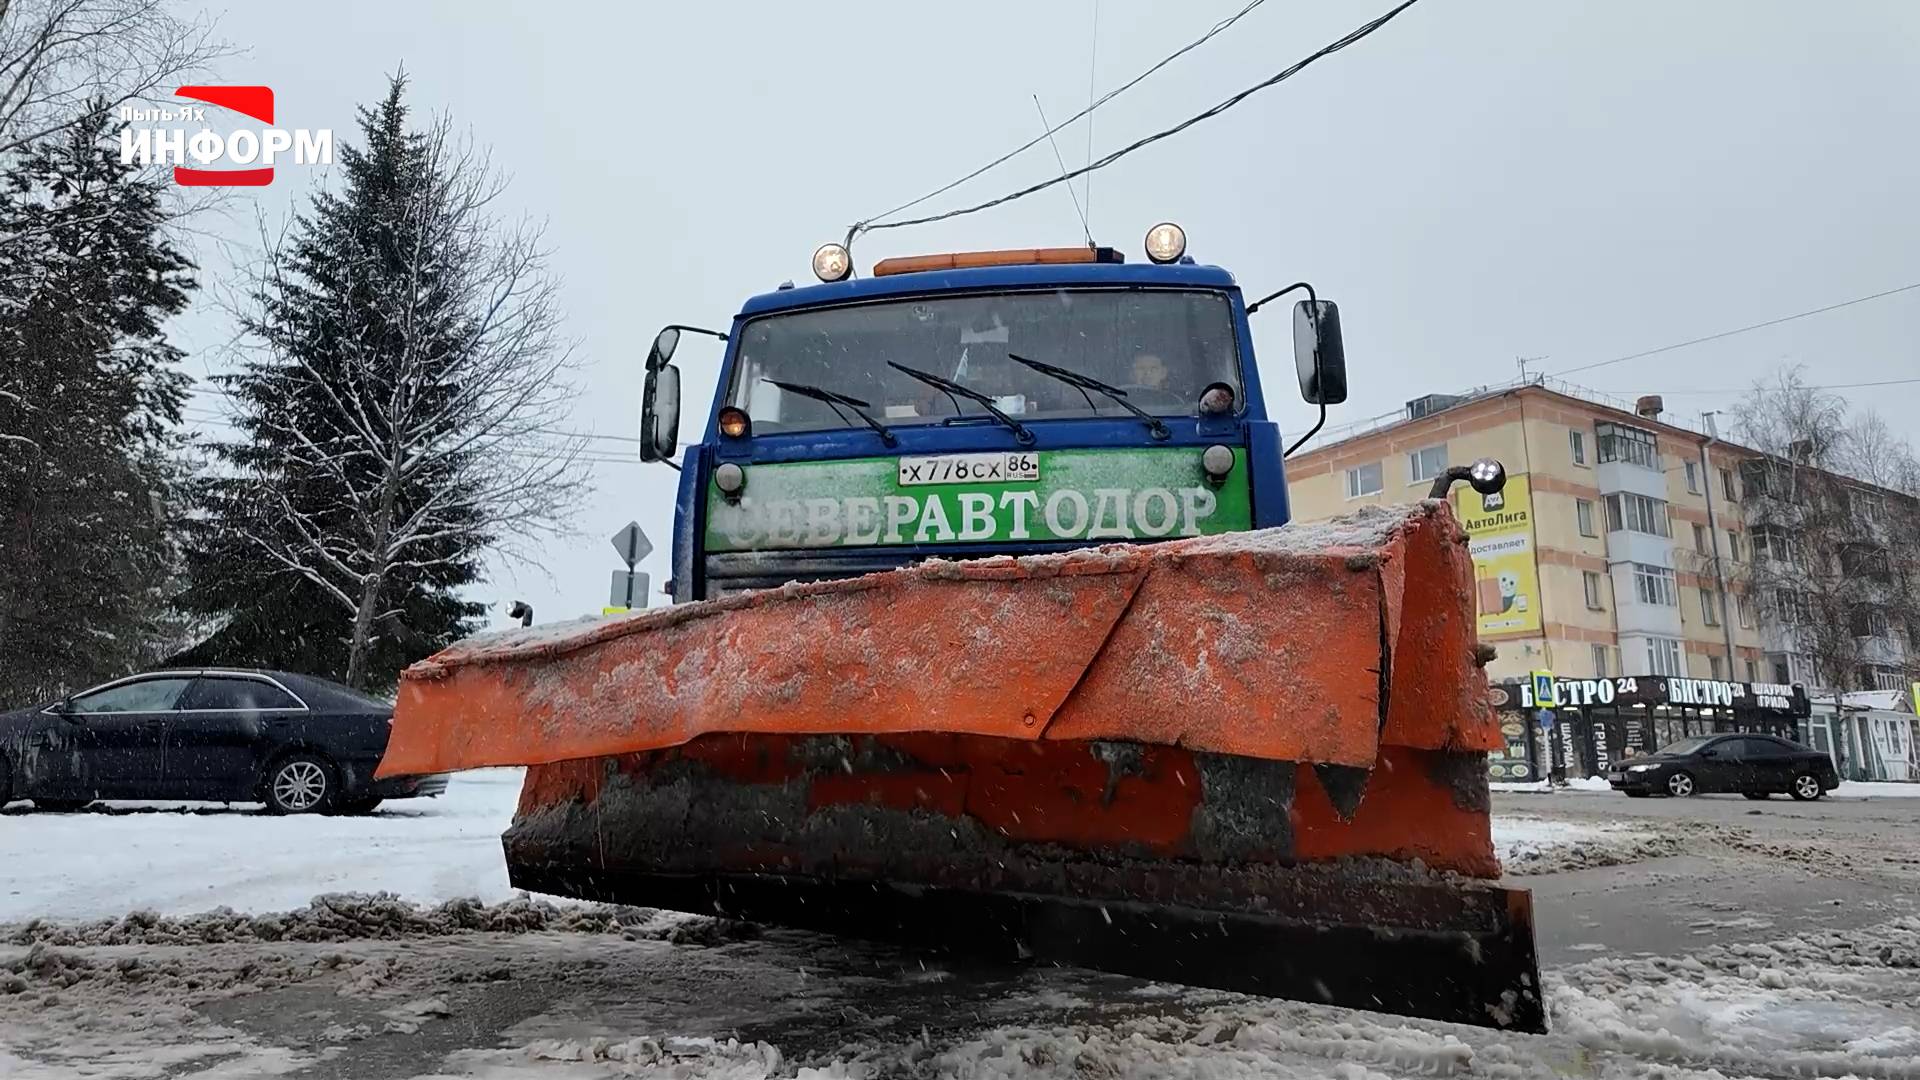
point(660, 409)
point(1318, 354)
point(663, 345)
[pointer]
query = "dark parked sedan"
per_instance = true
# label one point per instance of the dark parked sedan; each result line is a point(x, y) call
point(297, 743)
point(1753, 765)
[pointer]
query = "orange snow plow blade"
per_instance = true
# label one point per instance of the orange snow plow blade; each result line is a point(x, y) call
point(1253, 761)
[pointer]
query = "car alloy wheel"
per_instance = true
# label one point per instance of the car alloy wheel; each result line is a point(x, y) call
point(1680, 785)
point(1806, 786)
point(300, 785)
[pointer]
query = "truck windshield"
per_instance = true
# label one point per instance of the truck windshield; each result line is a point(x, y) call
point(1163, 347)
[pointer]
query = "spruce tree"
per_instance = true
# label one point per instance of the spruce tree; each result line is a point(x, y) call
point(90, 403)
point(365, 489)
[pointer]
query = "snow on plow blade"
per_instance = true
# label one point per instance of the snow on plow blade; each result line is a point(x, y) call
point(1254, 762)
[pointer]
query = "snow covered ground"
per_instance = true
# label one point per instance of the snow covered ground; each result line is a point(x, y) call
point(531, 994)
point(176, 858)
point(1529, 845)
point(512, 989)
point(1875, 789)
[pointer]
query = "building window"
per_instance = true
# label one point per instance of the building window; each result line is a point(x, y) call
point(1663, 656)
point(1578, 441)
point(1863, 560)
point(1745, 607)
point(1364, 480)
point(1772, 542)
point(1733, 545)
point(1424, 465)
point(1867, 620)
point(1782, 670)
point(1637, 513)
point(1713, 667)
point(1600, 661)
point(1726, 484)
point(1592, 581)
point(1710, 608)
point(1753, 672)
point(1583, 513)
point(1619, 443)
point(1791, 606)
point(1693, 478)
point(1654, 585)
point(1700, 538)
point(1868, 505)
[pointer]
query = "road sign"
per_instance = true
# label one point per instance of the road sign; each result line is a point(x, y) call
point(629, 590)
point(633, 545)
point(1542, 688)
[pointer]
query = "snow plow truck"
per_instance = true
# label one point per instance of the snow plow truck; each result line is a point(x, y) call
point(990, 634)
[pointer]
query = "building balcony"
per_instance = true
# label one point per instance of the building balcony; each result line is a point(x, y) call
point(1618, 476)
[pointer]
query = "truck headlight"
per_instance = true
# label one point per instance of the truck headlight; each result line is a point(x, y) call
point(729, 478)
point(1216, 400)
point(1217, 460)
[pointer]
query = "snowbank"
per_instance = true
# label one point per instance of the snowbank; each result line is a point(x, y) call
point(1875, 789)
point(1535, 846)
point(175, 858)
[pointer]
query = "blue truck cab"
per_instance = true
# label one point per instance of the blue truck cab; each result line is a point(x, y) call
point(978, 404)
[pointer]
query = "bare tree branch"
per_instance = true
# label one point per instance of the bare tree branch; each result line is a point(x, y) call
point(431, 356)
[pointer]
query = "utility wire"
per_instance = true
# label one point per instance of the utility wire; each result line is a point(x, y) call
point(1744, 389)
point(862, 226)
point(1740, 330)
point(1355, 35)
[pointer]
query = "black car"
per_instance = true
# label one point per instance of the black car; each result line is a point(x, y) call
point(297, 743)
point(1753, 765)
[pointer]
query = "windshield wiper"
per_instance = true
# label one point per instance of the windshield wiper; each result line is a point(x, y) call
point(834, 401)
point(1020, 432)
point(1084, 383)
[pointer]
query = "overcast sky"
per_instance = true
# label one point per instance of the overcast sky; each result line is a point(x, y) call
point(1481, 180)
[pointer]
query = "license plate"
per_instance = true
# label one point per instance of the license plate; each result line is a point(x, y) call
point(969, 468)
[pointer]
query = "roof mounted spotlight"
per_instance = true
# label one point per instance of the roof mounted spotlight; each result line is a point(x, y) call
point(832, 262)
point(1166, 242)
point(1486, 475)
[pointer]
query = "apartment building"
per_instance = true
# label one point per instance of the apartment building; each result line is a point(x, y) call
point(1606, 556)
point(1622, 558)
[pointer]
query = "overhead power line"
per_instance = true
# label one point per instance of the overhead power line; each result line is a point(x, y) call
point(862, 226)
point(1327, 50)
point(1744, 389)
point(1739, 330)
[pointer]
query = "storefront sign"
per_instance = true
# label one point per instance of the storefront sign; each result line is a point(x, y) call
point(1773, 698)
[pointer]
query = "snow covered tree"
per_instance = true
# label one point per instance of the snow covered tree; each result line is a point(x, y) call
point(404, 355)
point(1835, 527)
point(89, 400)
point(62, 61)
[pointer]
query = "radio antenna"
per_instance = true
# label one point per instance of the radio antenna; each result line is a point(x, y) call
point(1093, 56)
point(1084, 227)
